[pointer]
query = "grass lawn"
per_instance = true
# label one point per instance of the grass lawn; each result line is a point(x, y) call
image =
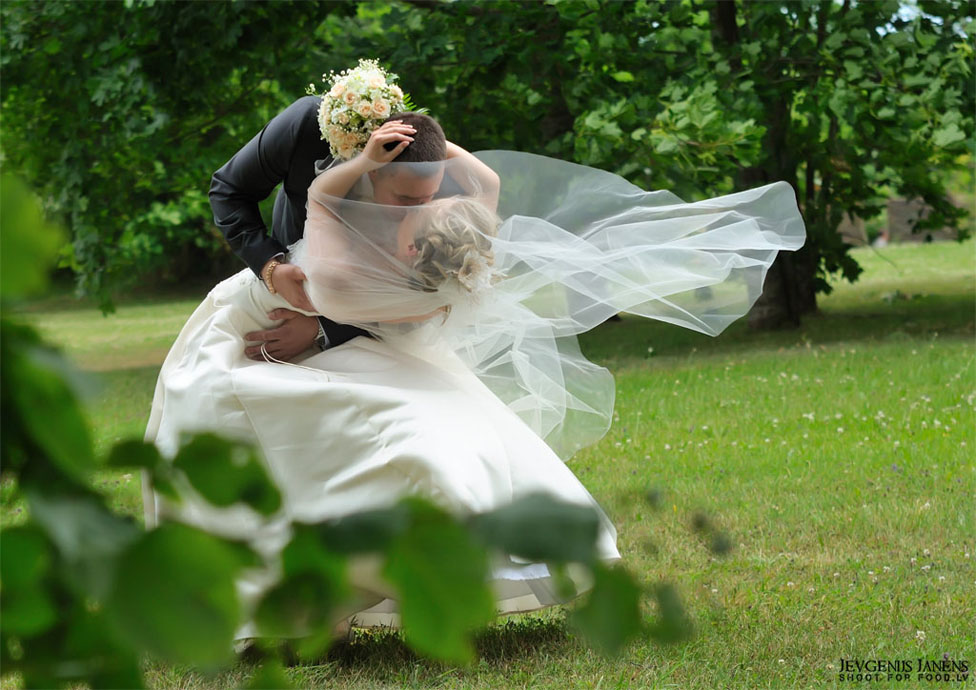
point(837, 458)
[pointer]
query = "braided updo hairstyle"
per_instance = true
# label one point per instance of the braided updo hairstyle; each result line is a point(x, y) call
point(452, 242)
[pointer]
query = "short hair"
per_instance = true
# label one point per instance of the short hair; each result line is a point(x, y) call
point(429, 144)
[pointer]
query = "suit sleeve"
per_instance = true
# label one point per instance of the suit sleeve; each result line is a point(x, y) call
point(249, 177)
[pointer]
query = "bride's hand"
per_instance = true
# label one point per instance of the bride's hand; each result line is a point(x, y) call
point(393, 134)
point(288, 280)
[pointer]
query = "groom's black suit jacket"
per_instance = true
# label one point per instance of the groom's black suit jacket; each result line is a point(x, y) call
point(285, 151)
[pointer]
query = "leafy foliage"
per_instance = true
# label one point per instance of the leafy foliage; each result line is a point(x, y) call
point(119, 113)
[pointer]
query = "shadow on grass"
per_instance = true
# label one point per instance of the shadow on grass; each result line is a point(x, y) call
point(926, 317)
point(383, 652)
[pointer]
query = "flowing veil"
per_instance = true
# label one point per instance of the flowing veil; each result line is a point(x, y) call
point(504, 296)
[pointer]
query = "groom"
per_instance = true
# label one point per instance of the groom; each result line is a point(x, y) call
point(289, 150)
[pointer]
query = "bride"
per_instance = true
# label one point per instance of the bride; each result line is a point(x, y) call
point(472, 389)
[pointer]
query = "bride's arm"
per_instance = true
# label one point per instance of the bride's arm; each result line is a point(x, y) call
point(481, 181)
point(338, 180)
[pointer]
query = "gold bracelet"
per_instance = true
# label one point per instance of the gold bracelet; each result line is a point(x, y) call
point(267, 276)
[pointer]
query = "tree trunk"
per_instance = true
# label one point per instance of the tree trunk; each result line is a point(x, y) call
point(790, 288)
point(788, 293)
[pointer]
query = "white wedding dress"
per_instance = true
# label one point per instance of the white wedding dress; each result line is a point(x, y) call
point(353, 428)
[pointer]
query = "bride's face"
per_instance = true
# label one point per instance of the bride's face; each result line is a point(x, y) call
point(404, 188)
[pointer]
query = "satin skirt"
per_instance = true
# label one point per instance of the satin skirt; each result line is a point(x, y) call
point(356, 427)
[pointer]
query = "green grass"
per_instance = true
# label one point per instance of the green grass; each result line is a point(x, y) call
point(837, 458)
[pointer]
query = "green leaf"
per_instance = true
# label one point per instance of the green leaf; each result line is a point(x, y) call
point(114, 662)
point(86, 534)
point(835, 40)
point(673, 624)
point(610, 617)
point(298, 605)
point(947, 136)
point(36, 385)
point(666, 145)
point(28, 245)
point(25, 556)
point(838, 103)
point(312, 588)
point(368, 531)
point(133, 453)
point(226, 473)
point(27, 611)
point(307, 553)
point(853, 69)
point(541, 528)
point(174, 595)
point(440, 574)
point(623, 76)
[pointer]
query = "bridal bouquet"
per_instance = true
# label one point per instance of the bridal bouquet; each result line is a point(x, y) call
point(358, 100)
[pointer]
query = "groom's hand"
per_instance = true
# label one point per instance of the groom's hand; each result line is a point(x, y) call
point(295, 335)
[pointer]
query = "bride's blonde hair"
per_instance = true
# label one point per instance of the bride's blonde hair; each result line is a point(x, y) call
point(453, 242)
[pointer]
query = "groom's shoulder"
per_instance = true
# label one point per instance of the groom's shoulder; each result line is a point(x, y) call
point(301, 114)
point(305, 108)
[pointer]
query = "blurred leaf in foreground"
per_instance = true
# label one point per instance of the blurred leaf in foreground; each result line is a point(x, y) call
point(439, 571)
point(28, 243)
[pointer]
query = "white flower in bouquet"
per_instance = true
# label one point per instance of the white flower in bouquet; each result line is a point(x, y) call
point(357, 101)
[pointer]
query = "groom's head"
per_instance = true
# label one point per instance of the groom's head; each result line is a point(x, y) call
point(410, 185)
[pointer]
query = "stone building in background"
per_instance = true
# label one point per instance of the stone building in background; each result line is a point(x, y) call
point(902, 216)
point(852, 230)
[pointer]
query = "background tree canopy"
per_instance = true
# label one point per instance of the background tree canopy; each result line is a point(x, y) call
point(119, 113)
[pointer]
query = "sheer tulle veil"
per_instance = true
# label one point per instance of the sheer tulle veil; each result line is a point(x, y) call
point(502, 292)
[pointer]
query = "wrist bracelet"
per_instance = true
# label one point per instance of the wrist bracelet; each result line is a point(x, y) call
point(322, 340)
point(266, 276)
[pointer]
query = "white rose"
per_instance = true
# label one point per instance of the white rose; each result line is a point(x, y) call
point(337, 89)
point(381, 108)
